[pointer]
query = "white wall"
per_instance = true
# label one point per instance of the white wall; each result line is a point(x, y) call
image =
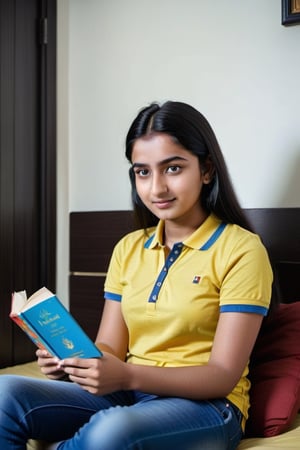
point(62, 150)
point(233, 60)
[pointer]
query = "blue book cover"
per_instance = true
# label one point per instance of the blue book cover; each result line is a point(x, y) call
point(57, 329)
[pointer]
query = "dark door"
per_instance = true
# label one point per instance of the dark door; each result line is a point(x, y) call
point(27, 160)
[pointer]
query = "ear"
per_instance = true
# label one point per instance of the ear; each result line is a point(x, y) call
point(207, 170)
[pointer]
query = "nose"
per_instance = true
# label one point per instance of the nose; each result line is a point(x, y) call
point(158, 185)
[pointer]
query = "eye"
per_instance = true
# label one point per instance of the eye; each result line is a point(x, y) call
point(173, 169)
point(141, 172)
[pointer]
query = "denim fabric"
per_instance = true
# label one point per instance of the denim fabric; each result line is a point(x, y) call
point(58, 411)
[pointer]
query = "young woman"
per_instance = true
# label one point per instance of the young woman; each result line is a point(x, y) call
point(185, 298)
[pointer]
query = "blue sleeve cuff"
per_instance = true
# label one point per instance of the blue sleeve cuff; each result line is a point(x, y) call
point(112, 296)
point(245, 308)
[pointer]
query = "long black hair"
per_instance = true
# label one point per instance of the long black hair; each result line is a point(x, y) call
point(190, 129)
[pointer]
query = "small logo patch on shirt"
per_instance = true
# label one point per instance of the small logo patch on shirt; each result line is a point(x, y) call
point(196, 279)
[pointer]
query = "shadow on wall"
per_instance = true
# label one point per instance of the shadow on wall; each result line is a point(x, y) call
point(291, 196)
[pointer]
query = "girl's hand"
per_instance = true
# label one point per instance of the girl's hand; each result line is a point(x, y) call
point(49, 365)
point(98, 376)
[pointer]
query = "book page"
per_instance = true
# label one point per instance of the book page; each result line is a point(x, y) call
point(21, 303)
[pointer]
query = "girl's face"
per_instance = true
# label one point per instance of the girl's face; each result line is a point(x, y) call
point(168, 179)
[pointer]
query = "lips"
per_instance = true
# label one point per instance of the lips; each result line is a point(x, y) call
point(162, 204)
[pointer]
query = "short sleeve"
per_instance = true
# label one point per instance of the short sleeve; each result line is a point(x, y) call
point(248, 277)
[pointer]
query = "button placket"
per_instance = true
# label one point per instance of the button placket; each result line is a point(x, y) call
point(174, 254)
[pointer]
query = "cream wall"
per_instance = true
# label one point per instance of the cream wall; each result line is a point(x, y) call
point(233, 60)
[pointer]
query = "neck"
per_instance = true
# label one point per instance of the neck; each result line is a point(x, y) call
point(177, 232)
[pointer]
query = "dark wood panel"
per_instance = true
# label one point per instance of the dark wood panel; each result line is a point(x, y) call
point(288, 275)
point(19, 264)
point(279, 229)
point(7, 11)
point(26, 219)
point(93, 235)
point(87, 301)
point(47, 107)
point(27, 162)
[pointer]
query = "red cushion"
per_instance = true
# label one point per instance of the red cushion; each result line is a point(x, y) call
point(275, 374)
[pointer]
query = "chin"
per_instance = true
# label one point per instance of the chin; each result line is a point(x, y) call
point(164, 215)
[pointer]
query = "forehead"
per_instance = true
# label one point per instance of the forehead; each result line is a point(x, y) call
point(158, 147)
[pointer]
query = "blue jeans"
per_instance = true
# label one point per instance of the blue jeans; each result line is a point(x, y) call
point(61, 411)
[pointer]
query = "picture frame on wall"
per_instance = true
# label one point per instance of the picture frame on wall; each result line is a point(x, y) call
point(290, 12)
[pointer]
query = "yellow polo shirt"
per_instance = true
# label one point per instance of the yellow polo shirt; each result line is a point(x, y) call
point(171, 305)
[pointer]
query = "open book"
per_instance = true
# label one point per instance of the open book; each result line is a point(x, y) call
point(50, 325)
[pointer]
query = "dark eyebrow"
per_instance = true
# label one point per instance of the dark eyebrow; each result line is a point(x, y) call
point(161, 163)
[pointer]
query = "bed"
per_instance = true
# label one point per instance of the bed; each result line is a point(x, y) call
point(275, 365)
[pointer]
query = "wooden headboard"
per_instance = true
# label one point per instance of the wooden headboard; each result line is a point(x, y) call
point(93, 235)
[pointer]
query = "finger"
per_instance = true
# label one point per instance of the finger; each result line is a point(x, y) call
point(85, 383)
point(50, 362)
point(76, 372)
point(42, 353)
point(82, 363)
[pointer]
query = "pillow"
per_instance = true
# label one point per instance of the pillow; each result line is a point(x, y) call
point(275, 374)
